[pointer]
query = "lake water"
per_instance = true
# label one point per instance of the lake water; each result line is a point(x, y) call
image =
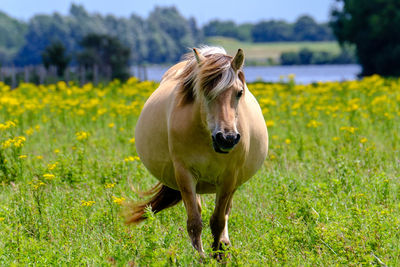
point(303, 74)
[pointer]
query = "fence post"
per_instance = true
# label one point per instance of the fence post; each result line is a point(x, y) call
point(1, 75)
point(42, 74)
point(95, 74)
point(144, 73)
point(66, 75)
point(13, 78)
point(82, 73)
point(26, 74)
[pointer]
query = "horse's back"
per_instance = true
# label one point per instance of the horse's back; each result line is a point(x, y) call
point(151, 132)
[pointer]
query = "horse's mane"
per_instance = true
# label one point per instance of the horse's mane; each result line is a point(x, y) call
point(211, 77)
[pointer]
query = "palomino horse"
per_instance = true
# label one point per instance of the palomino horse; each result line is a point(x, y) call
point(201, 131)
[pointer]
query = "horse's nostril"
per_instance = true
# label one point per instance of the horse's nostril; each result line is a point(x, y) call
point(237, 138)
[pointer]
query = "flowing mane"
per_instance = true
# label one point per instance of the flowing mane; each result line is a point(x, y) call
point(210, 77)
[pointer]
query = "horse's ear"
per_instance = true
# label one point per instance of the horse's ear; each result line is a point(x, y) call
point(238, 60)
point(199, 57)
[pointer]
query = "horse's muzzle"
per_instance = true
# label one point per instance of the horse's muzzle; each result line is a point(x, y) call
point(223, 143)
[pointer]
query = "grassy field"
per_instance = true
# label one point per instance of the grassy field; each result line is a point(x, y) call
point(328, 193)
point(261, 52)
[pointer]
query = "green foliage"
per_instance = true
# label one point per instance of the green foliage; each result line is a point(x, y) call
point(303, 29)
point(12, 34)
point(374, 28)
point(307, 56)
point(163, 37)
point(55, 55)
point(105, 53)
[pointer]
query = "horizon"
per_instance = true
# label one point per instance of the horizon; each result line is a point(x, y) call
point(317, 9)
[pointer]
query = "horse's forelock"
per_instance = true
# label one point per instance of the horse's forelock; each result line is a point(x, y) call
point(210, 78)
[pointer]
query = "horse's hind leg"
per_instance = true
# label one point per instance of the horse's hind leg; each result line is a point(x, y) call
point(187, 187)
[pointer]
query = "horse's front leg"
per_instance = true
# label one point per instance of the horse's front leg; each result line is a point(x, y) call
point(187, 187)
point(219, 219)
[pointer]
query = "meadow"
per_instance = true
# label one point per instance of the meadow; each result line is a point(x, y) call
point(328, 193)
point(262, 52)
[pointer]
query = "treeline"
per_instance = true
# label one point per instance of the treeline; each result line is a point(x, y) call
point(308, 57)
point(161, 38)
point(305, 28)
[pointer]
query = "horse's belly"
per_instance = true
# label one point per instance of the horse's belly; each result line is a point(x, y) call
point(151, 138)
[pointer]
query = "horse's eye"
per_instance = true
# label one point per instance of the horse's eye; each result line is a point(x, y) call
point(240, 93)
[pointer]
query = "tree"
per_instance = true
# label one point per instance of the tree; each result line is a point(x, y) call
point(272, 31)
point(106, 54)
point(12, 34)
point(55, 55)
point(373, 26)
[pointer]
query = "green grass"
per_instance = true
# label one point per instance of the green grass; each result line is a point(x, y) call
point(261, 52)
point(328, 194)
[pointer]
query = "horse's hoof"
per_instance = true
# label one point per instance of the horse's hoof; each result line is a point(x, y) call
point(221, 256)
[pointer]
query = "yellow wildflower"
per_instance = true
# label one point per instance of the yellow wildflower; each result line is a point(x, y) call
point(48, 176)
point(111, 125)
point(335, 138)
point(52, 166)
point(36, 184)
point(363, 140)
point(313, 124)
point(288, 141)
point(29, 131)
point(6, 125)
point(22, 156)
point(82, 136)
point(56, 150)
point(109, 185)
point(132, 140)
point(118, 200)
point(270, 123)
point(87, 203)
point(131, 158)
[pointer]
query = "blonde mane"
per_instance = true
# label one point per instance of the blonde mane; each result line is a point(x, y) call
point(209, 78)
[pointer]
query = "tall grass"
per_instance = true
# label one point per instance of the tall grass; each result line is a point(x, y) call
point(326, 195)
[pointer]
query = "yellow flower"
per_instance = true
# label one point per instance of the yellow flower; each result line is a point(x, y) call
point(118, 200)
point(335, 138)
point(109, 185)
point(82, 136)
point(6, 125)
point(56, 151)
point(39, 157)
point(111, 125)
point(22, 156)
point(52, 166)
point(87, 203)
point(48, 176)
point(348, 129)
point(29, 131)
point(363, 140)
point(288, 141)
point(272, 156)
point(132, 140)
point(313, 124)
point(2, 219)
point(36, 184)
point(270, 123)
point(19, 141)
point(131, 158)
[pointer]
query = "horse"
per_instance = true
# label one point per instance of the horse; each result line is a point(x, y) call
point(200, 132)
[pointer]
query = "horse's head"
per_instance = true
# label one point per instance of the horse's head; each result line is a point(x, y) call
point(220, 86)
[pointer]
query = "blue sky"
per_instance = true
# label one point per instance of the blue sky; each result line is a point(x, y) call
point(202, 10)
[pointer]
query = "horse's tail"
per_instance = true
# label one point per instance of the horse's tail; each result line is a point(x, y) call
point(163, 197)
